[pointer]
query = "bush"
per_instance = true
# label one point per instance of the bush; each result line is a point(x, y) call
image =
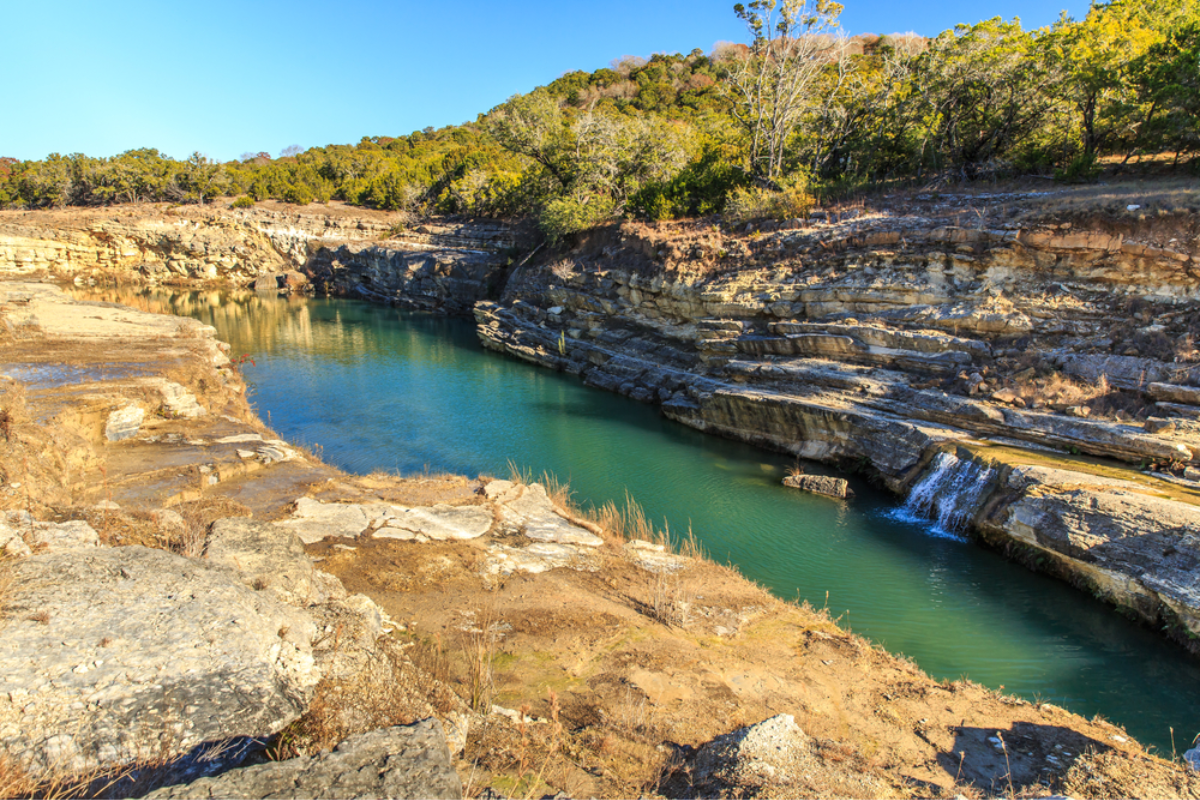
point(700, 188)
point(1081, 169)
point(245, 201)
point(298, 194)
point(755, 203)
point(566, 215)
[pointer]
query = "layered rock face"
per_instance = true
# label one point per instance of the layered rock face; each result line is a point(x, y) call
point(880, 342)
point(436, 265)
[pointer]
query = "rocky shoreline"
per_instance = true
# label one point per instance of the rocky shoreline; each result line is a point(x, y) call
point(155, 492)
point(873, 341)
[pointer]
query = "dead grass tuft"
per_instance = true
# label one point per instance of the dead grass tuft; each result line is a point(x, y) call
point(1116, 774)
point(388, 689)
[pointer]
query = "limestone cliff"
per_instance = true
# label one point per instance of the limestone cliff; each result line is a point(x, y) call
point(442, 265)
point(879, 341)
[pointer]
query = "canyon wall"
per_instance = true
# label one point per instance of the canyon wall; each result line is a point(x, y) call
point(1060, 360)
point(437, 265)
point(1059, 357)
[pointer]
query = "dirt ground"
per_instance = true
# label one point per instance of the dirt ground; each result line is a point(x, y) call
point(640, 669)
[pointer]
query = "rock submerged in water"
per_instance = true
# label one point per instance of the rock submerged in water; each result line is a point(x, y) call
point(819, 484)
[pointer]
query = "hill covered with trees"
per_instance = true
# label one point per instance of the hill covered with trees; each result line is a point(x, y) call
point(749, 129)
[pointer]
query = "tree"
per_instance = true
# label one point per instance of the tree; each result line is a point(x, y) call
point(1168, 79)
point(770, 86)
point(200, 177)
point(988, 89)
point(1097, 54)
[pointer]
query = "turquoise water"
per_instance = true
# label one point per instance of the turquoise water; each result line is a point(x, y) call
point(375, 388)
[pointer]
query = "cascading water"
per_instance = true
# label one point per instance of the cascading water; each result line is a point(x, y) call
point(949, 494)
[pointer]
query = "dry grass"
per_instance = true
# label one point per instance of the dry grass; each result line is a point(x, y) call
point(478, 639)
point(1057, 389)
point(182, 529)
point(388, 689)
point(1097, 776)
point(6, 586)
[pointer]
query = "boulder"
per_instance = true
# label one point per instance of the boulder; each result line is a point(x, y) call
point(819, 484)
point(767, 754)
point(1192, 759)
point(124, 423)
point(399, 762)
point(116, 654)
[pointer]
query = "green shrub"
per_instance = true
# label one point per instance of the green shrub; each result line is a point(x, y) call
point(700, 188)
point(748, 204)
point(1081, 169)
point(563, 216)
point(245, 201)
point(298, 194)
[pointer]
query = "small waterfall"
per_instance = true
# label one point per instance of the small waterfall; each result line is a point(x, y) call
point(949, 494)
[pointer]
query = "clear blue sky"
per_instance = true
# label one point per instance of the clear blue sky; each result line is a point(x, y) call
point(225, 77)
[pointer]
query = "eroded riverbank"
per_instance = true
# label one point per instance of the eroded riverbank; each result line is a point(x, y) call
point(633, 668)
point(427, 397)
point(877, 340)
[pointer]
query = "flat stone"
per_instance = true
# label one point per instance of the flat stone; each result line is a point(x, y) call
point(536, 558)
point(654, 557)
point(141, 651)
point(440, 522)
point(313, 520)
point(533, 513)
point(399, 762)
point(240, 438)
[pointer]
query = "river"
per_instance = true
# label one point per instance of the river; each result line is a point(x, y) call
point(371, 387)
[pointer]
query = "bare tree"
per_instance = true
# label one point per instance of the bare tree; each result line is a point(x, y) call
point(792, 43)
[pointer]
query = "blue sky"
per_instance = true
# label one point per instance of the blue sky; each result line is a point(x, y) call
point(225, 77)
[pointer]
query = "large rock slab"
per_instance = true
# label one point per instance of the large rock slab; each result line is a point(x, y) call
point(400, 762)
point(530, 510)
point(269, 556)
point(22, 535)
point(440, 522)
point(313, 520)
point(1136, 549)
point(114, 654)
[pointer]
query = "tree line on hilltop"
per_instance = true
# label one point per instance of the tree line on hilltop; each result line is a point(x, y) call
point(750, 130)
